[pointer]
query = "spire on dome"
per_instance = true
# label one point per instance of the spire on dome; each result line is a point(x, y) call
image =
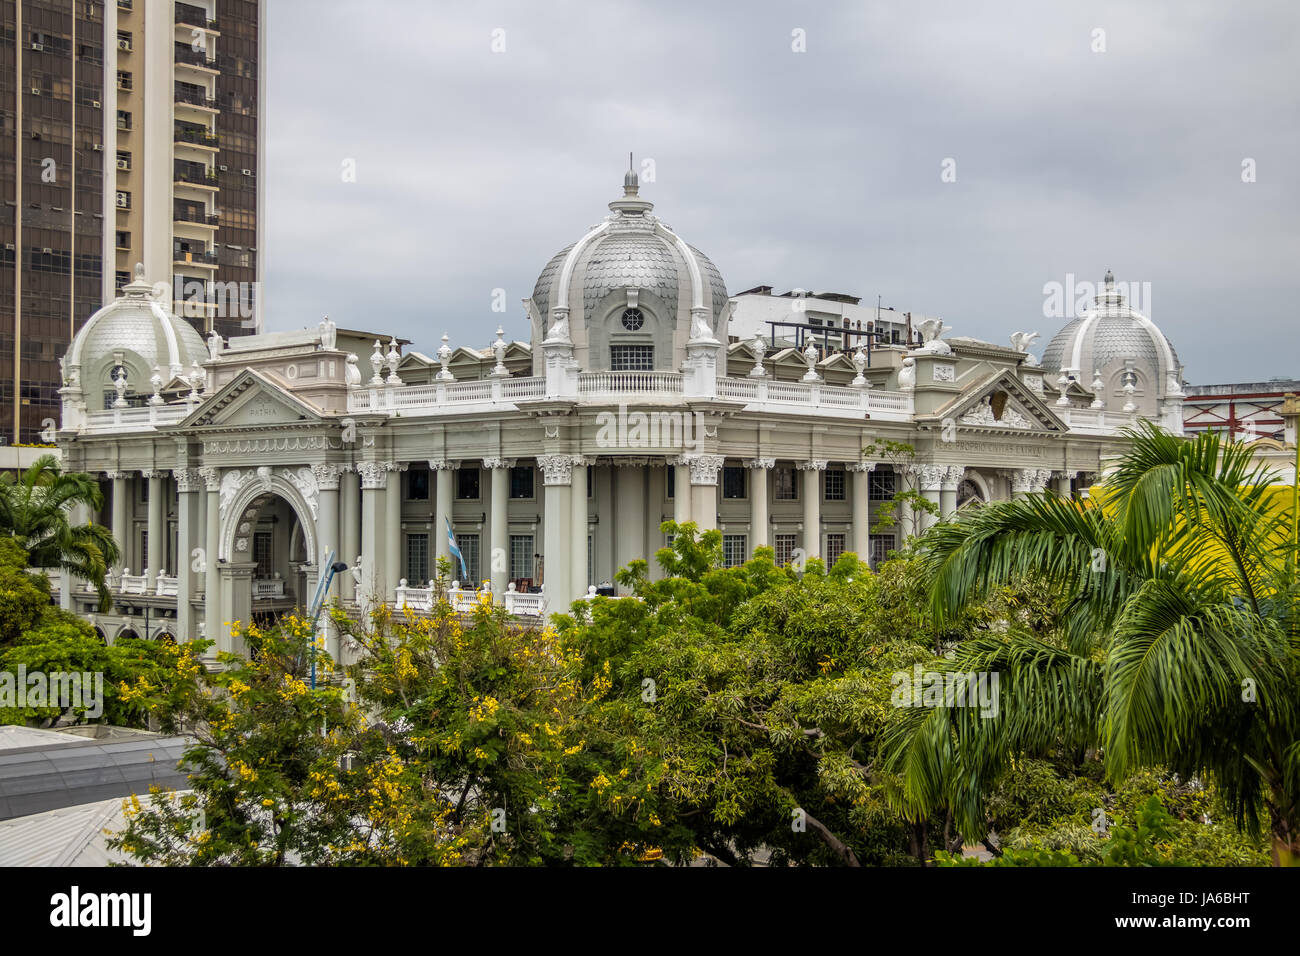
point(138, 287)
point(630, 181)
point(630, 203)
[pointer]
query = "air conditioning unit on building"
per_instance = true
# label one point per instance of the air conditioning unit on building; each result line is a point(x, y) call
point(38, 46)
point(123, 202)
point(47, 251)
point(9, 247)
point(222, 168)
point(247, 172)
point(96, 104)
point(98, 147)
point(36, 91)
point(124, 45)
point(123, 164)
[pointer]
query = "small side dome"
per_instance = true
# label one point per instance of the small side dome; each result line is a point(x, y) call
point(134, 331)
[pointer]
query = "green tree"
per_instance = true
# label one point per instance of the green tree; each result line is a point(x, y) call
point(1179, 644)
point(34, 511)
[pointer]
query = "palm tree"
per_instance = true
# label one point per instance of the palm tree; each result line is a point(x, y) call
point(34, 510)
point(1179, 645)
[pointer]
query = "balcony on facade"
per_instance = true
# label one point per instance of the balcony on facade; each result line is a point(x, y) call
point(195, 97)
point(195, 135)
point(202, 60)
point(192, 17)
point(197, 175)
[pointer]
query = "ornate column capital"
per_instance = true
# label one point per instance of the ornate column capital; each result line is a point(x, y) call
point(490, 463)
point(211, 477)
point(1026, 480)
point(443, 464)
point(556, 469)
point(813, 464)
point(860, 466)
point(188, 479)
point(374, 475)
point(704, 468)
point(116, 475)
point(767, 464)
point(951, 478)
point(931, 476)
point(152, 473)
point(398, 466)
point(327, 475)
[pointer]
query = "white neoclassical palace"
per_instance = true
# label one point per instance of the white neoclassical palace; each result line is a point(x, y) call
point(232, 469)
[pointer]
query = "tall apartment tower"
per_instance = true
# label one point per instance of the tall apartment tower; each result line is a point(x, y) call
point(130, 131)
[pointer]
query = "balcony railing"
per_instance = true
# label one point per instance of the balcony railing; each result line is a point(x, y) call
point(195, 98)
point(136, 419)
point(192, 57)
point(198, 218)
point(194, 258)
point(195, 137)
point(268, 589)
point(188, 15)
point(630, 383)
point(124, 582)
point(465, 600)
point(207, 177)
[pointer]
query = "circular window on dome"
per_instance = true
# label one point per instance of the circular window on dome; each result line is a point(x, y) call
point(633, 320)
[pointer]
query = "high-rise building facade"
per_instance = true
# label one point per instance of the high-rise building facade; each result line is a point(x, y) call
point(130, 132)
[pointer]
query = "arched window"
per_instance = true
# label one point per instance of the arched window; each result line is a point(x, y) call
point(633, 320)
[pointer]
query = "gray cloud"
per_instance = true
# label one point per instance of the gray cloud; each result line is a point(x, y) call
point(818, 170)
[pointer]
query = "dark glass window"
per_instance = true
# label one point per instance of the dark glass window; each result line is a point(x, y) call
point(632, 358)
point(733, 482)
point(834, 487)
point(521, 482)
point(467, 483)
point(417, 489)
point(786, 480)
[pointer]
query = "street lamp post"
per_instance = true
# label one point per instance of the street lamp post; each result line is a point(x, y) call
point(332, 568)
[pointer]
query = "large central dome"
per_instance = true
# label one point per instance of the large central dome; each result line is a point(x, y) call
point(629, 289)
point(1116, 345)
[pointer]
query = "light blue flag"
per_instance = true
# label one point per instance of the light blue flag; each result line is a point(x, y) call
point(451, 541)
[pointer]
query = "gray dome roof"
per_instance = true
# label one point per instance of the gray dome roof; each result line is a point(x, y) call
point(631, 253)
point(1107, 336)
point(141, 328)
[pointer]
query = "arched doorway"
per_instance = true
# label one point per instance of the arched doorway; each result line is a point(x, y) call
point(970, 493)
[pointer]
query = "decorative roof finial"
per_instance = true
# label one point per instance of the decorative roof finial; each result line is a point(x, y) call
point(1110, 279)
point(630, 181)
point(139, 271)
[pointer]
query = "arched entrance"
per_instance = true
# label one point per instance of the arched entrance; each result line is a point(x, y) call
point(972, 492)
point(267, 547)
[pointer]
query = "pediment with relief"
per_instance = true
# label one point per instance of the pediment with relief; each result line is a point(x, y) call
point(251, 400)
point(1003, 402)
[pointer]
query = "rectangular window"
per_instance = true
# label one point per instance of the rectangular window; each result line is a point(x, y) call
point(591, 560)
point(262, 546)
point(733, 482)
point(834, 548)
point(733, 550)
point(881, 486)
point(123, 239)
point(124, 119)
point(631, 358)
point(881, 545)
point(521, 556)
point(468, 544)
point(783, 544)
point(521, 482)
point(417, 558)
point(786, 481)
point(834, 486)
point(467, 484)
point(417, 487)
point(124, 80)
point(672, 482)
point(591, 481)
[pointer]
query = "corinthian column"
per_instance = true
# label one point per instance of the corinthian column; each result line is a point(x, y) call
point(811, 493)
point(498, 520)
point(758, 531)
point(213, 625)
point(188, 486)
point(704, 489)
point(948, 483)
point(374, 479)
point(578, 507)
point(557, 525)
point(861, 471)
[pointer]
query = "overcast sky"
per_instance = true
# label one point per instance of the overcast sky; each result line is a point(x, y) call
point(819, 169)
